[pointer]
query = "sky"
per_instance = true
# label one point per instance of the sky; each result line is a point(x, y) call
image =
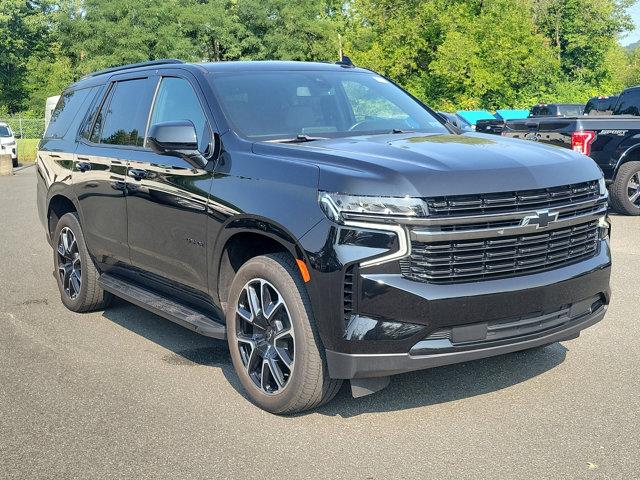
point(635, 35)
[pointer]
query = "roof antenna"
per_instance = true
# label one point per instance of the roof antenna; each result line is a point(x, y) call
point(345, 62)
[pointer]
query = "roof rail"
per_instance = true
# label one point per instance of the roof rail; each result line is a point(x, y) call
point(164, 61)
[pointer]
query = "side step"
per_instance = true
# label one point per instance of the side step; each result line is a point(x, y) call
point(163, 306)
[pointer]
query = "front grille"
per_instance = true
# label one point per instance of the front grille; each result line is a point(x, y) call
point(481, 259)
point(517, 201)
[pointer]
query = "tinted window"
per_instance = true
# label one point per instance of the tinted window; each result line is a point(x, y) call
point(123, 117)
point(176, 100)
point(629, 103)
point(367, 103)
point(540, 111)
point(610, 103)
point(570, 110)
point(97, 126)
point(591, 105)
point(280, 105)
point(4, 131)
point(67, 108)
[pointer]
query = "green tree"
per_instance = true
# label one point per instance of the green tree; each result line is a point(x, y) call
point(48, 75)
point(262, 29)
point(492, 53)
point(584, 34)
point(23, 33)
point(492, 57)
point(95, 34)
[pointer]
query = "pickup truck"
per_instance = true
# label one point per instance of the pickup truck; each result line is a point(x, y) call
point(495, 125)
point(557, 110)
point(613, 141)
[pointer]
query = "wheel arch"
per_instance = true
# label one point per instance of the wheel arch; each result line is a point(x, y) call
point(244, 238)
point(58, 205)
point(632, 154)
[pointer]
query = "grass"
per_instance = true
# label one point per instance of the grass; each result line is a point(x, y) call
point(27, 149)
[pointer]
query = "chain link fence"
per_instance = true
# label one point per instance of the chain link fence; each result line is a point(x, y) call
point(31, 131)
point(28, 128)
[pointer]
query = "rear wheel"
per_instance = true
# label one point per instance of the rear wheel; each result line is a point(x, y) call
point(625, 191)
point(15, 163)
point(76, 273)
point(274, 342)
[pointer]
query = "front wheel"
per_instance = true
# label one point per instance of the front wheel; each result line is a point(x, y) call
point(625, 191)
point(273, 339)
point(76, 273)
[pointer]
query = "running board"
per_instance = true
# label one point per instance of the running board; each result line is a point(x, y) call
point(163, 306)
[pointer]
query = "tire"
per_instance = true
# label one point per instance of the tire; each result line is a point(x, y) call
point(15, 163)
point(89, 296)
point(620, 189)
point(307, 385)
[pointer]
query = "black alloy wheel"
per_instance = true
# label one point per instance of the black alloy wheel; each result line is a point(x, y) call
point(633, 189)
point(69, 263)
point(265, 337)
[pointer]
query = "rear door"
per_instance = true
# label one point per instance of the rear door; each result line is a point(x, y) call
point(167, 195)
point(112, 137)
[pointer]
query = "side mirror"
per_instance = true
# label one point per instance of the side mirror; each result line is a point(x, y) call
point(17, 135)
point(166, 138)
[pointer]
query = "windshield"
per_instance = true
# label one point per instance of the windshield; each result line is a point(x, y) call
point(4, 131)
point(282, 105)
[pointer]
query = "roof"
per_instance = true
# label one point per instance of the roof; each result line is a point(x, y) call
point(273, 65)
point(472, 116)
point(98, 77)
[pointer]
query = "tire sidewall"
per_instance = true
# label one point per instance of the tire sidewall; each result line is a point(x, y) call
point(623, 203)
point(71, 221)
point(281, 278)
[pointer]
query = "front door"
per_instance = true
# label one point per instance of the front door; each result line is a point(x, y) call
point(167, 195)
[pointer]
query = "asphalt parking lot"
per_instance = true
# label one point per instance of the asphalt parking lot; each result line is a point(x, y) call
point(126, 394)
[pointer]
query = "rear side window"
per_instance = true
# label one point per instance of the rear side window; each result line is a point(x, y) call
point(122, 119)
point(66, 110)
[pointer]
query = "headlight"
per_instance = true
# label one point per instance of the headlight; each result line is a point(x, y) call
point(338, 206)
point(602, 186)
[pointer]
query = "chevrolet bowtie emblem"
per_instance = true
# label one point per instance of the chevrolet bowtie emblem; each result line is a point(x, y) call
point(541, 219)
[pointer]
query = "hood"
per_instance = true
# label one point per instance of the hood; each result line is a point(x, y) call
point(436, 164)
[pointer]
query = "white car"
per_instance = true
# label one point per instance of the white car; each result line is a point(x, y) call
point(8, 143)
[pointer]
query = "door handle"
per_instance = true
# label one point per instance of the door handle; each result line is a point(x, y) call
point(137, 173)
point(83, 166)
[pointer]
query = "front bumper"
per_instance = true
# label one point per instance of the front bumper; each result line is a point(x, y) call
point(464, 322)
point(348, 366)
point(9, 150)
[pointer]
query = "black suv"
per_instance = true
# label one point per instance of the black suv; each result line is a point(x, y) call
point(321, 219)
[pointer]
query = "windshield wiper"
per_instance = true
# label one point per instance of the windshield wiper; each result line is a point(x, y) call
point(300, 138)
point(397, 130)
